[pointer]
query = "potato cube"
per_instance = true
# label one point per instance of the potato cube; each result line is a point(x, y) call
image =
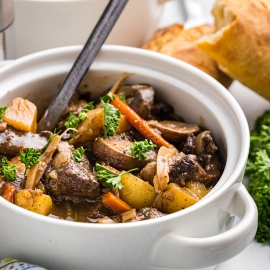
point(22, 115)
point(137, 193)
point(175, 198)
point(34, 200)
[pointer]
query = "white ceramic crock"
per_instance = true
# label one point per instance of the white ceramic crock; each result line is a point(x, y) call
point(45, 24)
point(197, 237)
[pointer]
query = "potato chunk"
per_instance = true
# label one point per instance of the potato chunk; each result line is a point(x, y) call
point(137, 193)
point(22, 115)
point(34, 200)
point(175, 198)
point(93, 126)
point(198, 188)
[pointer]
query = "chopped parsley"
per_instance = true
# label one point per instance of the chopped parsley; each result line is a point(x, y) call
point(74, 120)
point(29, 157)
point(123, 97)
point(147, 214)
point(9, 171)
point(2, 110)
point(109, 177)
point(78, 154)
point(138, 149)
point(111, 116)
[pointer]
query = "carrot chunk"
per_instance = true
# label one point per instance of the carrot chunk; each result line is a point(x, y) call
point(9, 192)
point(140, 124)
point(115, 203)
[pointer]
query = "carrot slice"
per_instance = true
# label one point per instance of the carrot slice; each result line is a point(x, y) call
point(140, 124)
point(8, 192)
point(115, 203)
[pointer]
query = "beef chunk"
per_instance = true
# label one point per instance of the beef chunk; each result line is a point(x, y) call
point(67, 179)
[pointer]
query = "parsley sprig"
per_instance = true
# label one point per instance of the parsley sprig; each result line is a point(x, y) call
point(78, 154)
point(9, 171)
point(258, 172)
point(109, 177)
point(29, 157)
point(2, 110)
point(74, 120)
point(138, 149)
point(111, 116)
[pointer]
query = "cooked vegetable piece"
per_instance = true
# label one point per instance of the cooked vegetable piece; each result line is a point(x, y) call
point(115, 203)
point(140, 124)
point(34, 200)
point(116, 152)
point(93, 126)
point(8, 192)
point(22, 115)
point(35, 172)
point(198, 188)
point(161, 178)
point(137, 193)
point(174, 131)
point(175, 198)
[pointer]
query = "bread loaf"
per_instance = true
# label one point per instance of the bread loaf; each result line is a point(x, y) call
point(241, 45)
point(181, 44)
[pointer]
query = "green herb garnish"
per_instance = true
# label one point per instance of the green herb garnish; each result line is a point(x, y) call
point(74, 120)
point(123, 97)
point(147, 214)
point(109, 177)
point(30, 157)
point(9, 171)
point(258, 172)
point(2, 110)
point(78, 154)
point(111, 119)
point(138, 149)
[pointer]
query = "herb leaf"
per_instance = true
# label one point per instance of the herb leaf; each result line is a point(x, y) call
point(74, 120)
point(78, 154)
point(111, 119)
point(138, 149)
point(258, 173)
point(109, 177)
point(30, 157)
point(9, 171)
point(2, 110)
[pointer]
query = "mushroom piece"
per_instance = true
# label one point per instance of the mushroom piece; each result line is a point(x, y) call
point(148, 172)
point(116, 152)
point(139, 97)
point(174, 131)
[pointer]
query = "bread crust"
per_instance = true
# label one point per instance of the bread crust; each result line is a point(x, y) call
point(179, 43)
point(241, 46)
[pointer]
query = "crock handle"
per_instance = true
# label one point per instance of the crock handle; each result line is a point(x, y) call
point(176, 251)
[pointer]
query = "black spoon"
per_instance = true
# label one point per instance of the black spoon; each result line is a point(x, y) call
point(82, 64)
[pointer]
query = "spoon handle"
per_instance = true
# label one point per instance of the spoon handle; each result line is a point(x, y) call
point(82, 64)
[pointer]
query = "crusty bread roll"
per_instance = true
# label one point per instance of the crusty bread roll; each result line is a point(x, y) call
point(177, 42)
point(241, 45)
